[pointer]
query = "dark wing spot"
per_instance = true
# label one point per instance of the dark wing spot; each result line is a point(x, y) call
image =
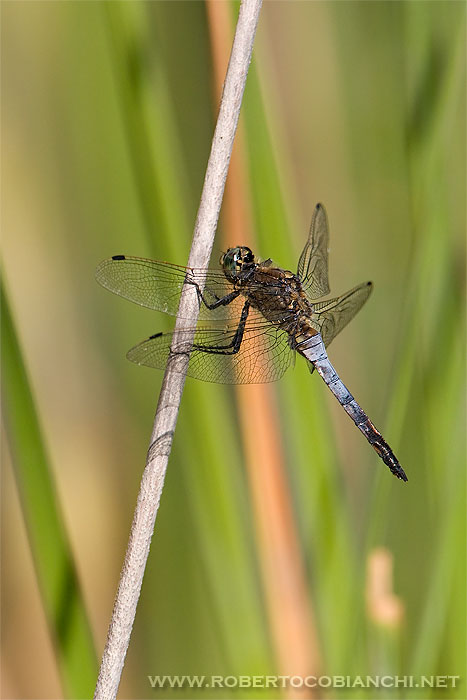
point(156, 335)
point(118, 257)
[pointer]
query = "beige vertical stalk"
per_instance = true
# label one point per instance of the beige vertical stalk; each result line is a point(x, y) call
point(289, 606)
point(152, 481)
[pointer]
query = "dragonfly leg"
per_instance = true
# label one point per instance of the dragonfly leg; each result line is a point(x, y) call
point(222, 301)
point(234, 346)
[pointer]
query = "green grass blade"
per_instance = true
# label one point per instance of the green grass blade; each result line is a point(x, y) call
point(51, 552)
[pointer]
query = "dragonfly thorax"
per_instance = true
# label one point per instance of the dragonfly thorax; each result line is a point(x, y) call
point(236, 261)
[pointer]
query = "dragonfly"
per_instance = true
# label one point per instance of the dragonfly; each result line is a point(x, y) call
point(254, 317)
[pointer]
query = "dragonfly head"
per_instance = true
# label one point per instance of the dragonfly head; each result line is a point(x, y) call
point(236, 261)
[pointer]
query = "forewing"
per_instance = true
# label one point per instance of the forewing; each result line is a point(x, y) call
point(157, 285)
point(333, 315)
point(313, 263)
point(263, 356)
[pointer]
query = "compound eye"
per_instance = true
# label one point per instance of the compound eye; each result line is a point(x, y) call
point(230, 260)
point(236, 260)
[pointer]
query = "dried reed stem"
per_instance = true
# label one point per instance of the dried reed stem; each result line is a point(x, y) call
point(165, 420)
point(289, 607)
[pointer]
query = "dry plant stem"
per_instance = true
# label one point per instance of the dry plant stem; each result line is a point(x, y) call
point(169, 400)
point(284, 583)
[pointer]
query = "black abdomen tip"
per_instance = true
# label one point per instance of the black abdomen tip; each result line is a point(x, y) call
point(382, 448)
point(396, 468)
point(400, 473)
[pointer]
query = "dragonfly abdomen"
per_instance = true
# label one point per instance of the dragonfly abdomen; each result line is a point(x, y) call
point(313, 349)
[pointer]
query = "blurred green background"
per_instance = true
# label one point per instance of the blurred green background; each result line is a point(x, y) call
point(107, 115)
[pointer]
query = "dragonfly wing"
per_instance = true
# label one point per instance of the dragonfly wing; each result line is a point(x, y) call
point(157, 285)
point(313, 263)
point(263, 356)
point(333, 315)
